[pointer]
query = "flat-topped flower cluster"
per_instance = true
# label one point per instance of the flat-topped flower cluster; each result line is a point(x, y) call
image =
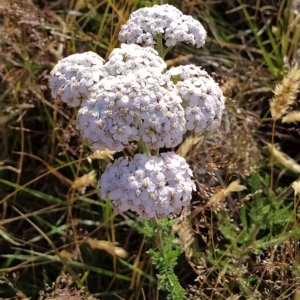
point(147, 24)
point(151, 186)
point(133, 98)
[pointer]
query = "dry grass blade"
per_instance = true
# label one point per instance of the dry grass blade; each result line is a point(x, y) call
point(234, 186)
point(87, 179)
point(285, 93)
point(188, 145)
point(181, 59)
point(107, 246)
point(284, 159)
point(65, 254)
point(296, 187)
point(185, 236)
point(62, 259)
point(292, 117)
point(106, 154)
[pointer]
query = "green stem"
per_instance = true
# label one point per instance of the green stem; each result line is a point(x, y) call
point(167, 50)
point(160, 47)
point(157, 234)
point(144, 148)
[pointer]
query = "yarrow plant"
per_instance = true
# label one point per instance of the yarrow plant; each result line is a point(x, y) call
point(133, 98)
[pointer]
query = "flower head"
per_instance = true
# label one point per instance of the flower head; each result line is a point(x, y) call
point(130, 58)
point(151, 186)
point(72, 77)
point(146, 24)
point(132, 107)
point(203, 99)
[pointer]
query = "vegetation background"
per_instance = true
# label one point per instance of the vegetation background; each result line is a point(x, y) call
point(240, 237)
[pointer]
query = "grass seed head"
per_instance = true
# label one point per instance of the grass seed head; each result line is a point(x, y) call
point(106, 155)
point(87, 179)
point(296, 187)
point(285, 93)
point(284, 159)
point(188, 145)
point(107, 246)
point(292, 117)
point(234, 186)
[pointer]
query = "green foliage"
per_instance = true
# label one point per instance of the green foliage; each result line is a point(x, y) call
point(165, 261)
point(264, 223)
point(264, 213)
point(165, 227)
point(279, 43)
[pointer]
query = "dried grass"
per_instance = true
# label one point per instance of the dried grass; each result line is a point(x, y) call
point(234, 186)
point(106, 155)
point(107, 246)
point(188, 145)
point(185, 236)
point(179, 60)
point(64, 291)
point(292, 117)
point(284, 159)
point(285, 93)
point(225, 153)
point(87, 179)
point(296, 187)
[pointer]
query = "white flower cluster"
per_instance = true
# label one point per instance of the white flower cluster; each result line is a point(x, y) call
point(203, 99)
point(151, 186)
point(72, 77)
point(145, 24)
point(132, 57)
point(131, 98)
point(132, 107)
